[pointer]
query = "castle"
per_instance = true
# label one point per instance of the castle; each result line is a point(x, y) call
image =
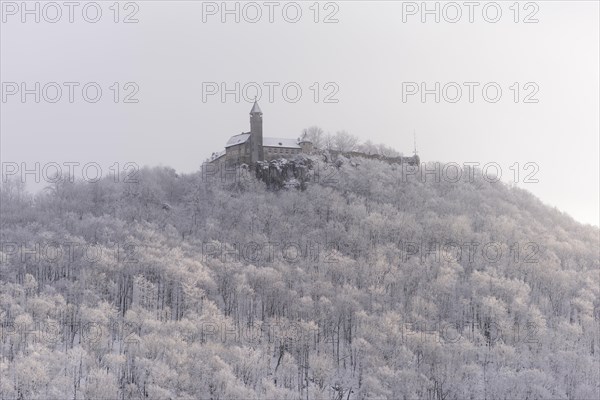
point(250, 147)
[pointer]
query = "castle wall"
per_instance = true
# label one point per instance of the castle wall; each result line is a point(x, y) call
point(272, 153)
point(239, 153)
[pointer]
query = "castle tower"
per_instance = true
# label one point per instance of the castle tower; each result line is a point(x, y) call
point(256, 134)
point(305, 144)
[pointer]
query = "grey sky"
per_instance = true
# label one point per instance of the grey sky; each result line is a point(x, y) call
point(368, 55)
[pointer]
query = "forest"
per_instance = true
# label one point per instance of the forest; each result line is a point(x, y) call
point(360, 282)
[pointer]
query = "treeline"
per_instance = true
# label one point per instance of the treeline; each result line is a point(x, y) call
point(344, 142)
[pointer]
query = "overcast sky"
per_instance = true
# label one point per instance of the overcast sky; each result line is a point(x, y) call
point(365, 61)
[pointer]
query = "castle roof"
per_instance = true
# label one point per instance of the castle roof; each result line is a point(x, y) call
point(238, 139)
point(280, 142)
point(217, 155)
point(267, 141)
point(255, 108)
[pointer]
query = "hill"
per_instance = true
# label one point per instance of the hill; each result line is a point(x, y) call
point(365, 283)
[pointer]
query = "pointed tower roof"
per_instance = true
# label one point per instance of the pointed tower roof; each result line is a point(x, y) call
point(255, 108)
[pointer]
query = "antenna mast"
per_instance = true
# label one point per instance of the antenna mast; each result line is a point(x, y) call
point(415, 140)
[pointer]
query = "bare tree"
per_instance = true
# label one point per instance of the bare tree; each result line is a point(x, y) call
point(315, 134)
point(387, 151)
point(345, 142)
point(368, 147)
point(328, 142)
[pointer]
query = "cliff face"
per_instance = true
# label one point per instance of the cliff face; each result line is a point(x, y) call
point(369, 283)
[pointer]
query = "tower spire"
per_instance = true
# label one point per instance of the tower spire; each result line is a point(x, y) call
point(255, 108)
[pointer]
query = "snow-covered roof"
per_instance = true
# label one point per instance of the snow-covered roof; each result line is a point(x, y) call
point(217, 155)
point(237, 139)
point(280, 142)
point(267, 142)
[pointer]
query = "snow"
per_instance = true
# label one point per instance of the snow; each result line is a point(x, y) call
point(281, 142)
